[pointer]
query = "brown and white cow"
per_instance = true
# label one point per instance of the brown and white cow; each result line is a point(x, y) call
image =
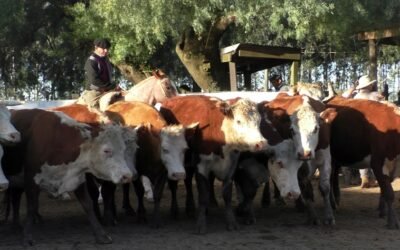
point(367, 134)
point(307, 121)
point(282, 167)
point(93, 117)
point(224, 131)
point(8, 135)
point(161, 149)
point(55, 153)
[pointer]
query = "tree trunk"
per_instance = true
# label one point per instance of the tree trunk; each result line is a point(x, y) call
point(132, 74)
point(201, 57)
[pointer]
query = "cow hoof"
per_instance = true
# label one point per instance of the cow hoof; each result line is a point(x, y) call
point(330, 222)
point(232, 226)
point(130, 211)
point(201, 230)
point(28, 241)
point(104, 239)
point(250, 221)
point(279, 202)
point(314, 222)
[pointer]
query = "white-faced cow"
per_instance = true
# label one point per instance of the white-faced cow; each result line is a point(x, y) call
point(224, 131)
point(8, 135)
point(161, 150)
point(55, 153)
point(367, 134)
point(307, 122)
point(94, 118)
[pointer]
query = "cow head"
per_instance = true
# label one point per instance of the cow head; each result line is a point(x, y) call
point(306, 124)
point(130, 139)
point(283, 168)
point(8, 134)
point(241, 125)
point(3, 179)
point(106, 154)
point(173, 147)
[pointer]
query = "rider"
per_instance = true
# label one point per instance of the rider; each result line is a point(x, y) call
point(98, 73)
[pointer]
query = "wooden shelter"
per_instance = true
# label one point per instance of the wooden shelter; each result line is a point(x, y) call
point(249, 58)
point(389, 36)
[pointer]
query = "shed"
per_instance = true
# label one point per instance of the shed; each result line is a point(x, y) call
point(249, 58)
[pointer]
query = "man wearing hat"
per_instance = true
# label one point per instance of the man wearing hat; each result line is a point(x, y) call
point(277, 83)
point(364, 90)
point(98, 73)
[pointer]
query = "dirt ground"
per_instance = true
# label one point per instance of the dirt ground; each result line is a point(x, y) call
point(65, 226)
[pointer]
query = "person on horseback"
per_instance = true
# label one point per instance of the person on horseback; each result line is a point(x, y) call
point(98, 74)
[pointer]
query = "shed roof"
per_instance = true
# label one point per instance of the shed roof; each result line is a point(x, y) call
point(252, 57)
point(389, 36)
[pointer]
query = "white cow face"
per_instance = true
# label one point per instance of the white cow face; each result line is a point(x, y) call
point(107, 155)
point(305, 124)
point(3, 179)
point(283, 168)
point(130, 139)
point(173, 147)
point(8, 133)
point(241, 126)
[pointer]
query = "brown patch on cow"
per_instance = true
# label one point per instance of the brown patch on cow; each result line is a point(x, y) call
point(202, 109)
point(135, 113)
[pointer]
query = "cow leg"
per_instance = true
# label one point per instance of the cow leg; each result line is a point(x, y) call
point(94, 194)
point(82, 195)
point(325, 189)
point(231, 223)
point(15, 196)
point(335, 199)
point(173, 186)
point(266, 195)
point(203, 192)
point(32, 200)
point(245, 207)
point(382, 206)
point(108, 194)
point(213, 199)
point(307, 198)
point(139, 190)
point(158, 190)
point(190, 207)
point(384, 182)
point(126, 204)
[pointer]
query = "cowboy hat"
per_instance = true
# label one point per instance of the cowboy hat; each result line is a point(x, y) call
point(364, 81)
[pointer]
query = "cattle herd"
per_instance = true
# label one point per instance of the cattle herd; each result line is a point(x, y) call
point(242, 143)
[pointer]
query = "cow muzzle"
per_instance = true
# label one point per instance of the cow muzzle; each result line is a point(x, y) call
point(3, 186)
point(11, 138)
point(306, 155)
point(177, 176)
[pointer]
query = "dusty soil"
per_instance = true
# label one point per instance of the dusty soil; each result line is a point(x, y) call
point(65, 226)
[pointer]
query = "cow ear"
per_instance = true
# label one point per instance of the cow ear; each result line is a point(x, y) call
point(190, 130)
point(225, 108)
point(328, 115)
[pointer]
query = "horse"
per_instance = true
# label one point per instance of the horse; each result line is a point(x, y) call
point(152, 90)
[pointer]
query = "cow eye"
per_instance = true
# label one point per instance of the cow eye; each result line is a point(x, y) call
point(238, 122)
point(165, 150)
point(315, 130)
point(108, 152)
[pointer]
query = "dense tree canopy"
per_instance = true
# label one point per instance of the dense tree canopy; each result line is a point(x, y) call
point(43, 44)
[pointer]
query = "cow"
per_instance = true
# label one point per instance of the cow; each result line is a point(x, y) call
point(8, 136)
point(54, 154)
point(161, 150)
point(367, 134)
point(224, 130)
point(95, 118)
point(307, 122)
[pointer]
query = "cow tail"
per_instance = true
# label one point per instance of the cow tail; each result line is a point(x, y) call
point(5, 206)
